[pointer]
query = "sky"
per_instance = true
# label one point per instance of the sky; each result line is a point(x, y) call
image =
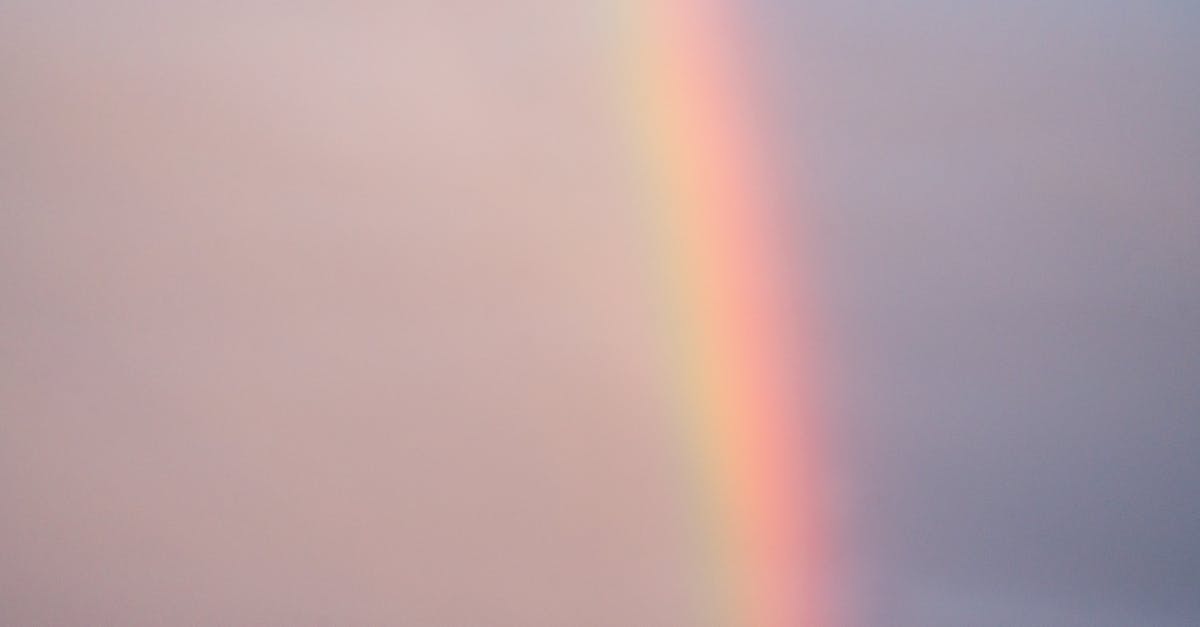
point(335, 314)
point(1007, 202)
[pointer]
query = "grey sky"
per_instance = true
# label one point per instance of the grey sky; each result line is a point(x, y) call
point(1006, 196)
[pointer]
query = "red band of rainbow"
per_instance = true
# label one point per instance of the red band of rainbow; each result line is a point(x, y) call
point(742, 387)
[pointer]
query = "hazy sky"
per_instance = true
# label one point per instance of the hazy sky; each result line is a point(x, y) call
point(321, 315)
point(335, 315)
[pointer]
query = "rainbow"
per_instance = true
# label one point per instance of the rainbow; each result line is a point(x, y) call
point(733, 322)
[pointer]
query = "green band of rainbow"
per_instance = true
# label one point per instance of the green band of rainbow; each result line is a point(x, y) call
point(741, 387)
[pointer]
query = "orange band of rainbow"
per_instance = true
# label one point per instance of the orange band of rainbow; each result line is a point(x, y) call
point(734, 322)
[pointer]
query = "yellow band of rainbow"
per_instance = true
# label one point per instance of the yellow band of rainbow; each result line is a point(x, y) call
point(740, 378)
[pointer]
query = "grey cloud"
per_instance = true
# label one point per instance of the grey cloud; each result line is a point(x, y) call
point(1007, 201)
